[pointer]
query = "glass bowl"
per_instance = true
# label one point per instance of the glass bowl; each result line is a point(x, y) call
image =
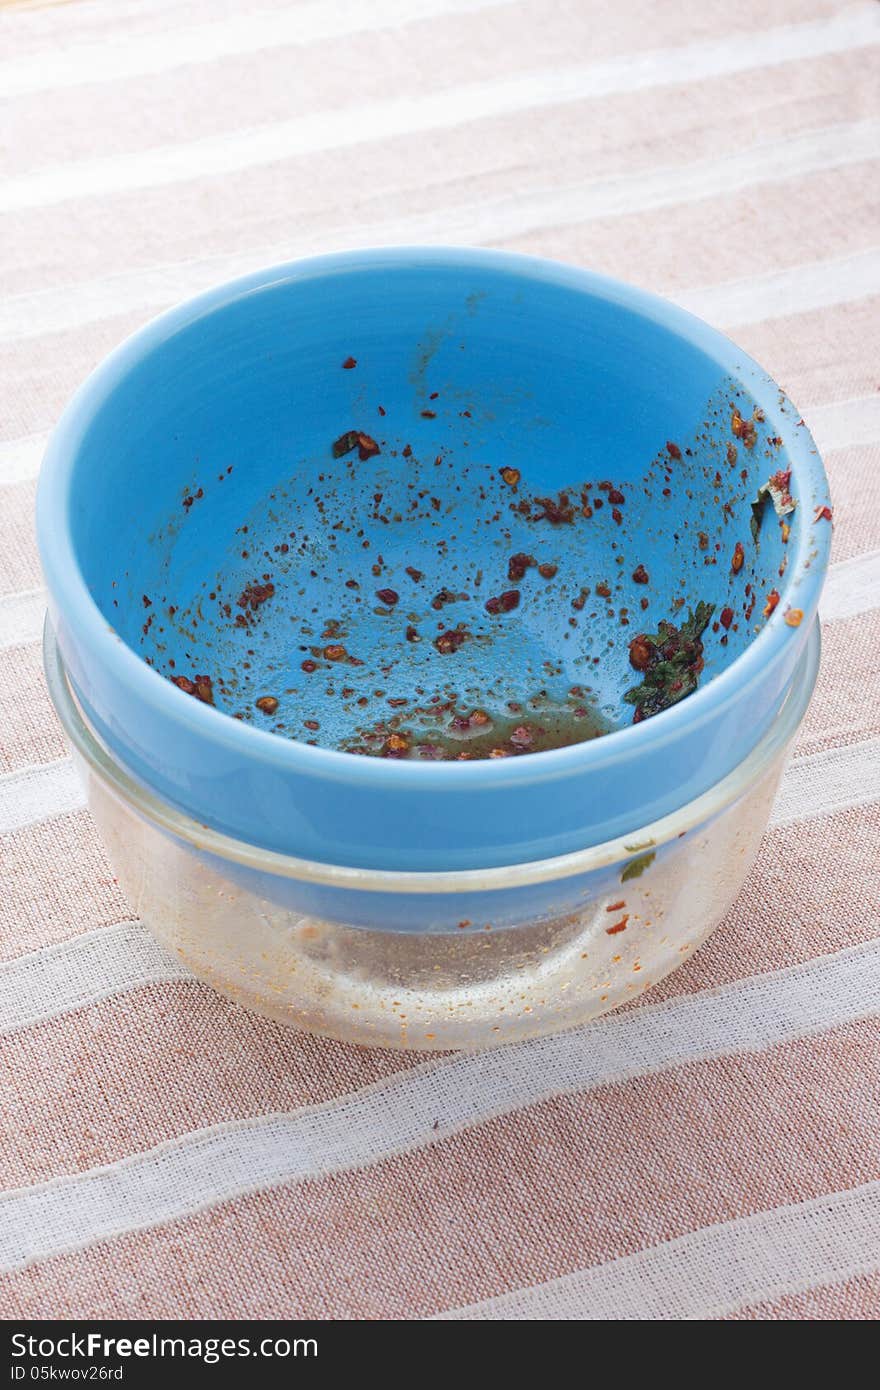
point(461, 959)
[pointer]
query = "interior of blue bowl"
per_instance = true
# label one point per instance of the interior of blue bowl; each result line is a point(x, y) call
point(524, 481)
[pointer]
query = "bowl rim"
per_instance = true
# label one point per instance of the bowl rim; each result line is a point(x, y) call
point(650, 838)
point(92, 633)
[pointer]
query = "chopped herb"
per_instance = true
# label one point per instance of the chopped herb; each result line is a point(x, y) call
point(776, 488)
point(636, 867)
point(345, 443)
point(672, 660)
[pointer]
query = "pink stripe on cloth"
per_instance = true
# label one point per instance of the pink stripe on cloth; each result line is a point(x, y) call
point(126, 1074)
point(855, 489)
point(30, 731)
point(57, 882)
point(572, 1182)
point(813, 889)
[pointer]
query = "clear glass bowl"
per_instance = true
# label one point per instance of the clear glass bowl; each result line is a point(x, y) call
point(463, 959)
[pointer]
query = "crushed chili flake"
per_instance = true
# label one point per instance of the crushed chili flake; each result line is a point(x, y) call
point(200, 686)
point(267, 703)
point(518, 564)
point(547, 571)
point(349, 363)
point(618, 926)
point(451, 640)
point(503, 603)
point(388, 596)
point(673, 450)
point(772, 601)
point(367, 446)
point(415, 575)
point(558, 511)
point(744, 429)
point(616, 907)
point(511, 476)
point(739, 556)
point(823, 514)
point(726, 617)
point(794, 617)
point(335, 652)
point(640, 575)
point(255, 594)
point(429, 414)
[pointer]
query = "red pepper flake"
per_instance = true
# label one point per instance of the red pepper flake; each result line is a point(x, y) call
point(786, 532)
point(640, 575)
point(311, 724)
point(335, 652)
point(415, 575)
point(616, 497)
point(794, 617)
point(147, 602)
point(388, 596)
point(772, 600)
point(616, 515)
point(547, 571)
point(367, 446)
point(255, 594)
point(558, 511)
point(412, 634)
point(511, 476)
point(731, 454)
point(615, 907)
point(603, 589)
point(429, 415)
point(200, 686)
point(518, 564)
point(396, 746)
point(349, 363)
point(407, 451)
point(267, 703)
point(309, 667)
point(503, 603)
point(673, 450)
point(521, 737)
point(743, 429)
point(739, 557)
point(823, 514)
point(618, 926)
point(703, 540)
point(639, 654)
point(451, 641)
point(725, 617)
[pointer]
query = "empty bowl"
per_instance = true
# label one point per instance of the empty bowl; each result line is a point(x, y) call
point(428, 560)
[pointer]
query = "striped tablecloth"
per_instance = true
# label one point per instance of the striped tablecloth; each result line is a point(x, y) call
point(713, 1153)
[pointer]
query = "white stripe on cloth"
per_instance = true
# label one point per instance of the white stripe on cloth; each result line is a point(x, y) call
point(430, 1102)
point(848, 424)
point(73, 974)
point(799, 290)
point(493, 220)
point(21, 618)
point(20, 458)
point(36, 793)
point(439, 110)
point(832, 780)
point(852, 587)
point(120, 60)
point(714, 1271)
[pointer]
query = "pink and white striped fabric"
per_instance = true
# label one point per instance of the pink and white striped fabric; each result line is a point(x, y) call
point(711, 1153)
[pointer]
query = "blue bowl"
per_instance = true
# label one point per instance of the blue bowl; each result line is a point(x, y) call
point(194, 521)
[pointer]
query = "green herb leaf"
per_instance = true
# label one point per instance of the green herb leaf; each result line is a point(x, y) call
point(673, 670)
point(636, 867)
point(345, 443)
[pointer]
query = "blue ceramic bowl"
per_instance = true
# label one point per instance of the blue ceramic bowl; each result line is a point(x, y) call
point(193, 520)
